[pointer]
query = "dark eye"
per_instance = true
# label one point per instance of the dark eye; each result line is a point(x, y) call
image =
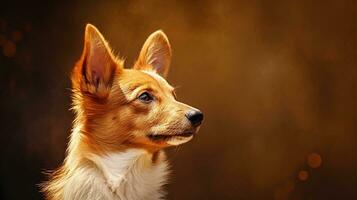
point(145, 97)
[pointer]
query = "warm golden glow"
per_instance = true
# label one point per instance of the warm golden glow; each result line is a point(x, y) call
point(277, 81)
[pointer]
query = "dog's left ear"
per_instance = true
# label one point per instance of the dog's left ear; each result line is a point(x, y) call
point(95, 71)
point(155, 54)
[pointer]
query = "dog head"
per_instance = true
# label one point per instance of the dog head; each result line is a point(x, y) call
point(119, 107)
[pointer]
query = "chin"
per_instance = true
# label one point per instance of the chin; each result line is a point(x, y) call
point(173, 139)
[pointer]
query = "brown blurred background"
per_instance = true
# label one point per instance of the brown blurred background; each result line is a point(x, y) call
point(276, 80)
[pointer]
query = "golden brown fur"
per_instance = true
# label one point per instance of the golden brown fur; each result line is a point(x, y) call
point(110, 118)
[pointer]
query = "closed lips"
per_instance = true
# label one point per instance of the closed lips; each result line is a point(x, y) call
point(166, 137)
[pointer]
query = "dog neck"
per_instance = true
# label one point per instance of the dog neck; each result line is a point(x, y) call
point(132, 173)
point(133, 170)
point(127, 174)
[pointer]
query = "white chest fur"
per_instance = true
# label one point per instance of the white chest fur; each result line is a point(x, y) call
point(132, 174)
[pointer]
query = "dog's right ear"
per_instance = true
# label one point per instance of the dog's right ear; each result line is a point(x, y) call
point(155, 54)
point(95, 71)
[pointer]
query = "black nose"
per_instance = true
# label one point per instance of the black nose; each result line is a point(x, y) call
point(195, 117)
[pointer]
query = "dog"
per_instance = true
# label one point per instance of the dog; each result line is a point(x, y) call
point(124, 118)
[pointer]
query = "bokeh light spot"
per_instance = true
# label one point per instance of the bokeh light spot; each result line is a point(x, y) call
point(283, 192)
point(17, 36)
point(303, 175)
point(9, 49)
point(314, 160)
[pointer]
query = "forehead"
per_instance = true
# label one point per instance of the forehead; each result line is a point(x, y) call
point(133, 79)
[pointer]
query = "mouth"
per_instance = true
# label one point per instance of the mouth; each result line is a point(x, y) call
point(166, 137)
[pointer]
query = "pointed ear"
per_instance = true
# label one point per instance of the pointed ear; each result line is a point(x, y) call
point(95, 71)
point(155, 54)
